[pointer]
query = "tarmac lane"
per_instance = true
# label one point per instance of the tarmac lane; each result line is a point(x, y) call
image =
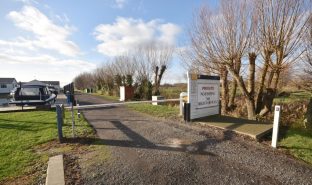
point(148, 150)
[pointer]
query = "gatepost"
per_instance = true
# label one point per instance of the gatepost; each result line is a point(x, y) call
point(60, 121)
point(183, 99)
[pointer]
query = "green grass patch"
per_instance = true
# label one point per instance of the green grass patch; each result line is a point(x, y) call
point(172, 92)
point(21, 132)
point(299, 143)
point(295, 96)
point(165, 111)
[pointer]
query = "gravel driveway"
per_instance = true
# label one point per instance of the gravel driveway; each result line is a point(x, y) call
point(147, 150)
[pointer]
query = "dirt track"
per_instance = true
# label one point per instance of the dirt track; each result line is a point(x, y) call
point(146, 150)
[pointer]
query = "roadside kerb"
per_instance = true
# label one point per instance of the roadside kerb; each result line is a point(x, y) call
point(55, 172)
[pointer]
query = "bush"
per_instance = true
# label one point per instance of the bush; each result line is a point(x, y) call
point(308, 116)
point(143, 91)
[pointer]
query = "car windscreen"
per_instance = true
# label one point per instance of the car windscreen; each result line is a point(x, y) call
point(30, 91)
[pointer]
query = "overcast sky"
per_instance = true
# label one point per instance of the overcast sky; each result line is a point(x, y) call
point(56, 39)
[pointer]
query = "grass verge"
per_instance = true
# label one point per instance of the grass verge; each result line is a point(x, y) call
point(21, 132)
point(106, 97)
point(165, 111)
point(296, 96)
point(299, 143)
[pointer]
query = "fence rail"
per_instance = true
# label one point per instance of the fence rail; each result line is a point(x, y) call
point(121, 103)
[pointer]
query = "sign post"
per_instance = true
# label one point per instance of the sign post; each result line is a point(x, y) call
point(277, 111)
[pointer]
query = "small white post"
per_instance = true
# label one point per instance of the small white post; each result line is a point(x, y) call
point(182, 95)
point(78, 112)
point(277, 111)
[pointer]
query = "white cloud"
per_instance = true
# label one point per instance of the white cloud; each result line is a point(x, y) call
point(47, 34)
point(120, 3)
point(127, 33)
point(27, 1)
point(43, 67)
point(26, 58)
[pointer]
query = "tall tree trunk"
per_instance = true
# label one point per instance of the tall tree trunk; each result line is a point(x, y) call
point(249, 99)
point(233, 94)
point(276, 80)
point(224, 89)
point(251, 77)
point(161, 73)
point(270, 78)
point(267, 58)
point(250, 103)
point(237, 65)
point(156, 80)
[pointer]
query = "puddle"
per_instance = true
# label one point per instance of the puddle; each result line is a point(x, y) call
point(180, 143)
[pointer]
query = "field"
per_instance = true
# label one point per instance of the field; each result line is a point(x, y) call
point(292, 97)
point(298, 142)
point(22, 132)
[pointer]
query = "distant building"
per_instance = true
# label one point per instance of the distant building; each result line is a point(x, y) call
point(6, 86)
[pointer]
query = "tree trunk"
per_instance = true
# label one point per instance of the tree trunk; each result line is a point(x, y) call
point(224, 90)
point(250, 103)
point(269, 81)
point(267, 101)
point(262, 80)
point(308, 121)
point(237, 66)
point(251, 77)
point(249, 99)
point(156, 80)
point(276, 80)
point(232, 95)
point(161, 73)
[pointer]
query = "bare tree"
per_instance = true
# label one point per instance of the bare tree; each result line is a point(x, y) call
point(152, 59)
point(199, 57)
point(306, 77)
point(124, 65)
point(242, 29)
point(282, 25)
point(220, 41)
point(84, 80)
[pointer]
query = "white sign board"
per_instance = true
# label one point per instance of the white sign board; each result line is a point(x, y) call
point(203, 95)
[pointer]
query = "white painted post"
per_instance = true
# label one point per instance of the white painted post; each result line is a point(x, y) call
point(277, 111)
point(182, 94)
point(122, 93)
